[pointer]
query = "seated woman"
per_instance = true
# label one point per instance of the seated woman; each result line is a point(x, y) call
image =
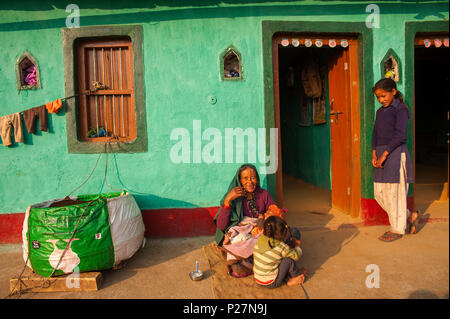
point(244, 197)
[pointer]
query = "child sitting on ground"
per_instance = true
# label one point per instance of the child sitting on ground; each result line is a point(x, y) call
point(273, 210)
point(276, 255)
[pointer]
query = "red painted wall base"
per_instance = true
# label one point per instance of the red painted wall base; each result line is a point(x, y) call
point(184, 222)
point(179, 222)
point(11, 228)
point(373, 214)
point(172, 222)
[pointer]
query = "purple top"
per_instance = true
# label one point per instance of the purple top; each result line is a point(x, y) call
point(262, 200)
point(389, 134)
point(390, 126)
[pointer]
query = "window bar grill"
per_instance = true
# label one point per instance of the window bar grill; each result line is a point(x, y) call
point(121, 96)
point(96, 96)
point(112, 95)
point(104, 96)
point(126, 82)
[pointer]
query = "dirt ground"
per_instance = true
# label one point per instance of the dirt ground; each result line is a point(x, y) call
point(342, 258)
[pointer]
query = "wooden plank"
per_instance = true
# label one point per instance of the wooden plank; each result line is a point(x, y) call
point(340, 130)
point(355, 206)
point(87, 281)
point(325, 37)
point(419, 40)
point(108, 92)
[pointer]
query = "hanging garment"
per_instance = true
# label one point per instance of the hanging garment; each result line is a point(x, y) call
point(54, 106)
point(29, 117)
point(6, 123)
point(312, 84)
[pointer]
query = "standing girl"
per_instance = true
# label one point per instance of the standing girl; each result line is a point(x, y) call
point(276, 255)
point(391, 161)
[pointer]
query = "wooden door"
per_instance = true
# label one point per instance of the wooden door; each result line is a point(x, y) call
point(340, 130)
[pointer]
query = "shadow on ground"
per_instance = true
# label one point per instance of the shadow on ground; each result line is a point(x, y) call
point(321, 244)
point(156, 251)
point(424, 294)
point(309, 209)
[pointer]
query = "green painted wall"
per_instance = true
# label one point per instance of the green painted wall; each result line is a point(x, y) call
point(181, 46)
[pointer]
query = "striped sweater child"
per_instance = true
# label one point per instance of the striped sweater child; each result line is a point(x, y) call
point(266, 259)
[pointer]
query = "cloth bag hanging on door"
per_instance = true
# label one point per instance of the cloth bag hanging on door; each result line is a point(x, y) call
point(311, 81)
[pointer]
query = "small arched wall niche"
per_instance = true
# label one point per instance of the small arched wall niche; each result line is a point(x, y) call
point(27, 72)
point(231, 64)
point(391, 67)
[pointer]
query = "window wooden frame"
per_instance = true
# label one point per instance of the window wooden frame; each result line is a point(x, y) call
point(108, 62)
point(78, 143)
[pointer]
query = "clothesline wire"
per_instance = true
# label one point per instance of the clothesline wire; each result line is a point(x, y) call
point(69, 97)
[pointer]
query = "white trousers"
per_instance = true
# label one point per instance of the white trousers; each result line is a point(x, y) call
point(392, 197)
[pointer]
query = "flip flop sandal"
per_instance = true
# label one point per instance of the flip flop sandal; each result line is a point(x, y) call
point(388, 237)
point(389, 234)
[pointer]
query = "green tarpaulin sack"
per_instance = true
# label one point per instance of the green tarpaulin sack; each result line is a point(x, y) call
point(83, 233)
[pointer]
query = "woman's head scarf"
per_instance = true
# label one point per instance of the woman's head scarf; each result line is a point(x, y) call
point(237, 212)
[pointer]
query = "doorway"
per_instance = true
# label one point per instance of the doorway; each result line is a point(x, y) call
point(305, 134)
point(319, 164)
point(431, 107)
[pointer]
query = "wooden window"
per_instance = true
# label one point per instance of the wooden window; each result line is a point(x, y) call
point(106, 106)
